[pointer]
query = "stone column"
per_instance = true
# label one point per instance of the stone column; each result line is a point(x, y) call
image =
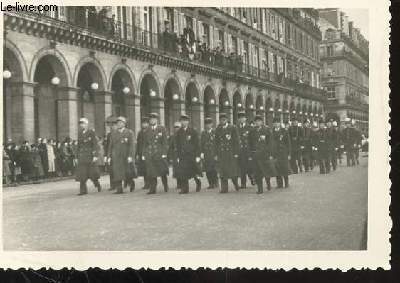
point(131, 112)
point(67, 116)
point(102, 100)
point(197, 116)
point(22, 111)
point(157, 105)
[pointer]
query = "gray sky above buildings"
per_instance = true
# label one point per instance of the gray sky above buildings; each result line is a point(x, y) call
point(360, 19)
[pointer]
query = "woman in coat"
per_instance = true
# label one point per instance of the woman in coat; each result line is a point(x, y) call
point(37, 171)
point(282, 149)
point(51, 158)
point(26, 161)
point(6, 167)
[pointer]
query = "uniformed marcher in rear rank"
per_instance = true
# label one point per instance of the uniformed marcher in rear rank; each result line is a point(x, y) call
point(173, 153)
point(87, 155)
point(305, 146)
point(188, 153)
point(140, 162)
point(121, 153)
point(111, 122)
point(245, 159)
point(295, 133)
point(262, 152)
point(349, 141)
point(208, 152)
point(281, 141)
point(322, 145)
point(227, 149)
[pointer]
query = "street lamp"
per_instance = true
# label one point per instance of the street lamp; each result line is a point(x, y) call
point(6, 74)
point(94, 86)
point(194, 99)
point(126, 90)
point(261, 107)
point(175, 96)
point(226, 103)
point(271, 109)
point(239, 105)
point(251, 106)
point(152, 93)
point(55, 81)
point(212, 101)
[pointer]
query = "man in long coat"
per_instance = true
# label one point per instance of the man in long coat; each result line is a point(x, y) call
point(140, 162)
point(282, 149)
point(295, 133)
point(87, 155)
point(208, 152)
point(173, 154)
point(245, 159)
point(155, 149)
point(349, 142)
point(262, 152)
point(188, 153)
point(111, 122)
point(121, 152)
point(227, 153)
point(322, 147)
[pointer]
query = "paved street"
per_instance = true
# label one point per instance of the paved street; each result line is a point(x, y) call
point(317, 212)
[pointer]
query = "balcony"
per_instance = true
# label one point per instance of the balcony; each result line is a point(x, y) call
point(307, 24)
point(305, 90)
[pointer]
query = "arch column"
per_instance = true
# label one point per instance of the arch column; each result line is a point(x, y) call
point(197, 116)
point(157, 105)
point(133, 112)
point(103, 109)
point(67, 117)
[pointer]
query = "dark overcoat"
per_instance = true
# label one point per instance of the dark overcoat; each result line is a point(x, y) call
point(26, 160)
point(282, 148)
point(88, 148)
point(155, 149)
point(322, 143)
point(140, 163)
point(227, 146)
point(245, 165)
point(120, 148)
point(188, 149)
point(173, 154)
point(207, 147)
point(262, 152)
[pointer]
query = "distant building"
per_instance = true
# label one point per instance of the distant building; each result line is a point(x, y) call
point(345, 67)
point(96, 61)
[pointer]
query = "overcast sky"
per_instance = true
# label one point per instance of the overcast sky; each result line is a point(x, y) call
point(360, 19)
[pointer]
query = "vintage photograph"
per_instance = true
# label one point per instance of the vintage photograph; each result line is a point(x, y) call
point(153, 128)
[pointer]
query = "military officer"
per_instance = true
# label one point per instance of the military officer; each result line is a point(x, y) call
point(306, 147)
point(121, 153)
point(140, 162)
point(87, 155)
point(188, 152)
point(227, 153)
point(245, 162)
point(357, 138)
point(111, 122)
point(173, 155)
point(338, 140)
point(314, 141)
point(262, 152)
point(154, 155)
point(333, 140)
point(349, 142)
point(207, 147)
point(322, 147)
point(295, 133)
point(281, 141)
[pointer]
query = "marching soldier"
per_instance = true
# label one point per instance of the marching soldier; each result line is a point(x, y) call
point(349, 142)
point(322, 148)
point(295, 133)
point(340, 146)
point(306, 147)
point(281, 141)
point(140, 162)
point(357, 138)
point(121, 152)
point(333, 142)
point(207, 146)
point(112, 124)
point(262, 151)
point(188, 151)
point(154, 155)
point(87, 155)
point(173, 154)
point(314, 142)
point(227, 153)
point(245, 162)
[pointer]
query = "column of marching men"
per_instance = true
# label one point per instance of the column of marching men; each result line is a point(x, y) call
point(250, 151)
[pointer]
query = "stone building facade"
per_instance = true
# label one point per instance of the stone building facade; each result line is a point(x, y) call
point(98, 61)
point(345, 67)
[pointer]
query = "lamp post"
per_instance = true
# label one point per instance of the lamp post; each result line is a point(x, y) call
point(55, 81)
point(6, 77)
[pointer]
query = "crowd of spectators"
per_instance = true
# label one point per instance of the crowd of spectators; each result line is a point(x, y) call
point(45, 159)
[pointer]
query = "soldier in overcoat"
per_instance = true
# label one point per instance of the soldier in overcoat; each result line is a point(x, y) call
point(262, 152)
point(333, 141)
point(87, 155)
point(140, 162)
point(111, 122)
point(321, 144)
point(208, 152)
point(245, 159)
point(349, 142)
point(188, 153)
point(227, 152)
point(282, 149)
point(121, 153)
point(305, 145)
point(173, 154)
point(295, 133)
point(155, 149)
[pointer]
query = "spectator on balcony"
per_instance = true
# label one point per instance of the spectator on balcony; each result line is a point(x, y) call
point(167, 38)
point(188, 33)
point(102, 20)
point(92, 18)
point(218, 57)
point(112, 25)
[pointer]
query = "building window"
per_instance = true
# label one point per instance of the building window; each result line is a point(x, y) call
point(329, 50)
point(331, 92)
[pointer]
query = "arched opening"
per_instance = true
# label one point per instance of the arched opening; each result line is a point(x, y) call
point(172, 104)
point(148, 94)
point(90, 82)
point(210, 104)
point(192, 105)
point(237, 106)
point(121, 87)
point(14, 68)
point(250, 109)
point(224, 103)
point(49, 75)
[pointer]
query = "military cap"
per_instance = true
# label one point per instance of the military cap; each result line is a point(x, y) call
point(258, 117)
point(83, 120)
point(223, 115)
point(153, 115)
point(177, 124)
point(111, 119)
point(241, 114)
point(122, 119)
point(184, 117)
point(208, 120)
point(145, 119)
point(315, 124)
point(347, 120)
point(334, 123)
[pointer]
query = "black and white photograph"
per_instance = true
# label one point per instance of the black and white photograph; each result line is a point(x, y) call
point(186, 128)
